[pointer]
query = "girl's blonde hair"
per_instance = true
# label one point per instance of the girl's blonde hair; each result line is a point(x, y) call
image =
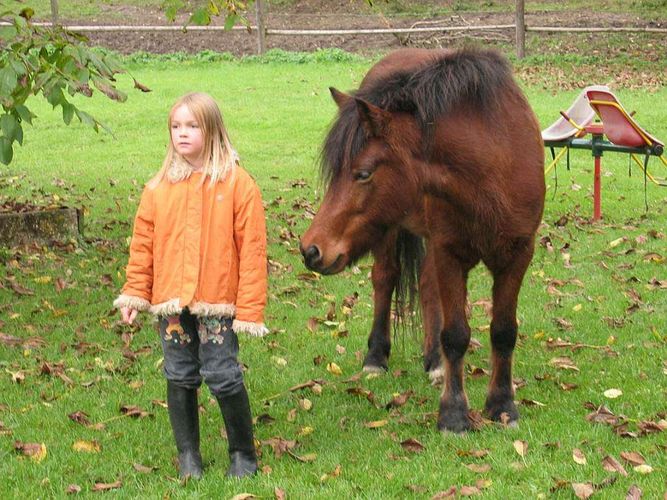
point(220, 158)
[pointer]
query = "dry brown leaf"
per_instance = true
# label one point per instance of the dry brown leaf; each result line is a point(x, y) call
point(279, 493)
point(79, 417)
point(36, 451)
point(634, 493)
point(479, 468)
point(468, 491)
point(610, 464)
point(144, 469)
point(578, 456)
point(563, 363)
point(583, 490)
point(333, 474)
point(451, 492)
point(243, 496)
point(412, 445)
point(73, 489)
point(107, 486)
point(521, 447)
point(633, 458)
point(134, 411)
point(399, 400)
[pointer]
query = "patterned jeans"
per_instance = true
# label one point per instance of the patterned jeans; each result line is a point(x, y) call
point(201, 348)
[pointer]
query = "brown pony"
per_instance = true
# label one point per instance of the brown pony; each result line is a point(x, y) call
point(444, 145)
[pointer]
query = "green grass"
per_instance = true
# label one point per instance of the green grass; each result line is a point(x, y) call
point(277, 114)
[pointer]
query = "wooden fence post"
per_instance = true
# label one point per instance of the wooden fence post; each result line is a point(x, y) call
point(259, 14)
point(520, 29)
point(54, 12)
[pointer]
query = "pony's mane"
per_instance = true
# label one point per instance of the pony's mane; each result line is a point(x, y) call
point(472, 77)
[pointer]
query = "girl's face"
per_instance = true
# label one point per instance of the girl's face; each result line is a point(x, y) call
point(187, 136)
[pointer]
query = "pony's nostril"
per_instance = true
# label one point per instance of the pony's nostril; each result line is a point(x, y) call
point(311, 255)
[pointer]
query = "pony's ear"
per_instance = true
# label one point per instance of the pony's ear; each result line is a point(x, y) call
point(339, 97)
point(375, 120)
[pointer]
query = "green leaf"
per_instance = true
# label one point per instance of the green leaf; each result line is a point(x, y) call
point(11, 129)
point(68, 112)
point(25, 114)
point(200, 17)
point(171, 8)
point(86, 119)
point(231, 20)
point(8, 80)
point(6, 151)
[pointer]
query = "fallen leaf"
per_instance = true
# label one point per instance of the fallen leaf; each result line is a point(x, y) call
point(643, 469)
point(243, 496)
point(376, 424)
point(87, 446)
point(612, 393)
point(412, 445)
point(468, 491)
point(583, 490)
point(79, 417)
point(279, 494)
point(610, 464)
point(305, 404)
point(479, 468)
point(634, 493)
point(521, 447)
point(36, 451)
point(334, 369)
point(564, 363)
point(633, 458)
point(134, 411)
point(333, 474)
point(578, 456)
point(73, 489)
point(399, 400)
point(451, 492)
point(144, 469)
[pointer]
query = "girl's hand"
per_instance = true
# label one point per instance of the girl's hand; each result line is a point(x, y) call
point(128, 314)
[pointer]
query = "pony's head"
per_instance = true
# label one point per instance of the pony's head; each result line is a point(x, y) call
point(370, 183)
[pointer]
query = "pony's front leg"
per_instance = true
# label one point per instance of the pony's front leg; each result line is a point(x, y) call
point(454, 339)
point(429, 297)
point(507, 278)
point(384, 275)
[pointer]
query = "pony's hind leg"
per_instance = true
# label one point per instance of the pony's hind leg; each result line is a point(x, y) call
point(429, 297)
point(454, 339)
point(384, 275)
point(507, 280)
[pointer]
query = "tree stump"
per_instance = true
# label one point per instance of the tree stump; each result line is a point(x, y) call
point(40, 226)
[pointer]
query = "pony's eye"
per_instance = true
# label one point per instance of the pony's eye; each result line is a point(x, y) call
point(362, 175)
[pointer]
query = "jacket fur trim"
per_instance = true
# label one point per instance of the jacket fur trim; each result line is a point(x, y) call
point(132, 302)
point(253, 329)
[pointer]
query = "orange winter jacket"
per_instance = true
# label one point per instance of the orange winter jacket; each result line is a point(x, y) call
point(202, 247)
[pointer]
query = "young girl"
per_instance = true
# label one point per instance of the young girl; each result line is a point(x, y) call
point(198, 262)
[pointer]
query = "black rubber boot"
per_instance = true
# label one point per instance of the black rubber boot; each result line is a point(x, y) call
point(238, 424)
point(184, 418)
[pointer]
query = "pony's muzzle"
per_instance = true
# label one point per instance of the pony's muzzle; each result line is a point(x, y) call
point(312, 257)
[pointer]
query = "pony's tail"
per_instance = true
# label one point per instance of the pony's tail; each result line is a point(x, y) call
point(410, 253)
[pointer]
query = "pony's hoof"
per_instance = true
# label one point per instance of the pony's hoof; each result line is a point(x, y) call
point(504, 413)
point(457, 426)
point(373, 369)
point(437, 376)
